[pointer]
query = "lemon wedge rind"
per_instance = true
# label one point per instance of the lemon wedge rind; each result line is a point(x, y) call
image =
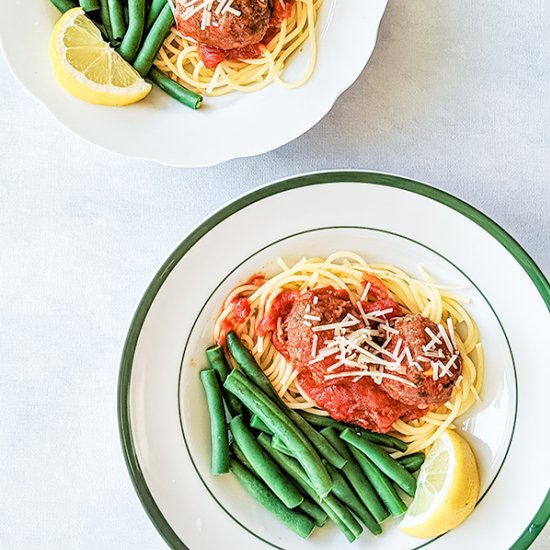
point(448, 489)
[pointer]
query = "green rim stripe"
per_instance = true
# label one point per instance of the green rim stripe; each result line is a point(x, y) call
point(513, 247)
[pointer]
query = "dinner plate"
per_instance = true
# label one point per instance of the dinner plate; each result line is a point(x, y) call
point(237, 125)
point(162, 412)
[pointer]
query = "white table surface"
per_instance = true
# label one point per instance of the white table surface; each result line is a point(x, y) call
point(456, 94)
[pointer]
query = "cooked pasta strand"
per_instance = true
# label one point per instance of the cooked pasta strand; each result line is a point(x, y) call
point(345, 270)
point(179, 58)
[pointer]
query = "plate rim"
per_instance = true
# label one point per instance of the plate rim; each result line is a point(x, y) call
point(202, 228)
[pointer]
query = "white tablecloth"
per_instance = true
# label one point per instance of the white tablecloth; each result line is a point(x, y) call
point(456, 94)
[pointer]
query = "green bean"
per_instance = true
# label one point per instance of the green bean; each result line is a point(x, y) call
point(216, 360)
point(290, 466)
point(154, 10)
point(218, 424)
point(251, 368)
point(63, 5)
point(296, 475)
point(89, 5)
point(118, 19)
point(383, 460)
point(323, 447)
point(337, 513)
point(314, 511)
point(381, 483)
point(344, 492)
point(322, 421)
point(382, 439)
point(263, 465)
point(257, 423)
point(357, 479)
point(340, 523)
point(130, 44)
point(280, 446)
point(343, 512)
point(300, 523)
point(412, 462)
point(276, 420)
point(175, 90)
point(239, 455)
point(153, 41)
point(329, 504)
point(105, 15)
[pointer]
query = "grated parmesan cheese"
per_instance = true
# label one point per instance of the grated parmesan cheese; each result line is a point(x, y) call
point(445, 337)
point(371, 374)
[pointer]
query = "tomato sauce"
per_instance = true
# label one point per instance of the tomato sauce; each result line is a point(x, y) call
point(240, 311)
point(377, 287)
point(212, 57)
point(226, 327)
point(258, 279)
point(363, 402)
point(280, 308)
point(381, 305)
point(382, 299)
point(281, 10)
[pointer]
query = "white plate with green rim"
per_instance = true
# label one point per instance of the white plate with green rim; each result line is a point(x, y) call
point(237, 125)
point(162, 412)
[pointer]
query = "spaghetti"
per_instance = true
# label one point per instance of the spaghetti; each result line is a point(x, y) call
point(179, 58)
point(346, 271)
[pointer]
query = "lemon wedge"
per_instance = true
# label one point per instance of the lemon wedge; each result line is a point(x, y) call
point(88, 68)
point(447, 489)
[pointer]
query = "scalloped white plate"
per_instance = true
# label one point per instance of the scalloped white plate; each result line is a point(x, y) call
point(238, 125)
point(162, 411)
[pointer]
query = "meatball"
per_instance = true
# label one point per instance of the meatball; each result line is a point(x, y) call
point(323, 306)
point(246, 24)
point(372, 404)
point(361, 402)
point(414, 334)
